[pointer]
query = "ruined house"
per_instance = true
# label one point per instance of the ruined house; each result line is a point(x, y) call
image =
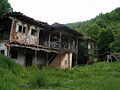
point(29, 41)
point(87, 48)
point(108, 57)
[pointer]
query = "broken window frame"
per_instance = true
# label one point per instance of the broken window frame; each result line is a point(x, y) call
point(34, 32)
point(22, 30)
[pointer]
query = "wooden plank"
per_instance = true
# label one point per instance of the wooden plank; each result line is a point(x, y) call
point(60, 39)
point(49, 39)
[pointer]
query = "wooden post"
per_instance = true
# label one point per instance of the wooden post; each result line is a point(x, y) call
point(77, 44)
point(69, 42)
point(11, 30)
point(49, 39)
point(25, 63)
point(8, 52)
point(60, 39)
point(69, 60)
point(46, 59)
point(38, 41)
point(35, 57)
point(59, 58)
point(77, 50)
point(76, 59)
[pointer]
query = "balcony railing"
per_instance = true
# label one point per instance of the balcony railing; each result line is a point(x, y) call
point(57, 44)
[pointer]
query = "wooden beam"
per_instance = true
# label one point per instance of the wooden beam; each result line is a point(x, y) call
point(76, 59)
point(46, 62)
point(69, 66)
point(69, 42)
point(49, 39)
point(8, 51)
point(35, 59)
point(38, 38)
point(11, 30)
point(77, 43)
point(25, 57)
point(60, 39)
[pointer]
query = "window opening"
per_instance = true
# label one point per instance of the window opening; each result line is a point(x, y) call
point(34, 32)
point(19, 28)
point(24, 29)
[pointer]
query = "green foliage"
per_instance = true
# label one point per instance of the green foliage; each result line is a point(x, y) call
point(99, 76)
point(82, 49)
point(5, 7)
point(104, 28)
point(93, 31)
point(38, 81)
point(106, 37)
point(10, 74)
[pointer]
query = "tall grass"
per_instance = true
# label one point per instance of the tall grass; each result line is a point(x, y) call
point(99, 76)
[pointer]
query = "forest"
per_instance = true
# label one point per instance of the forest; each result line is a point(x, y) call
point(104, 29)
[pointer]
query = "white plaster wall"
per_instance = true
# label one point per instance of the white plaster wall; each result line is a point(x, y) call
point(67, 61)
point(21, 57)
point(3, 47)
point(70, 57)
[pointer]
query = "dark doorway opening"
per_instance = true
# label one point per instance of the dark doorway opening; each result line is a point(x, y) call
point(2, 52)
point(14, 54)
point(74, 56)
point(29, 58)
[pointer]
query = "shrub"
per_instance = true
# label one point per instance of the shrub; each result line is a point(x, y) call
point(38, 81)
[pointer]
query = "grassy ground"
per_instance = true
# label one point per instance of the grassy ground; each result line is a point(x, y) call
point(99, 76)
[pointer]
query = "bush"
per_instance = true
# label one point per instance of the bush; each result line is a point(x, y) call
point(38, 81)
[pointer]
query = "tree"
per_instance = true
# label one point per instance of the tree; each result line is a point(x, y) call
point(115, 45)
point(106, 37)
point(104, 29)
point(93, 31)
point(83, 55)
point(5, 7)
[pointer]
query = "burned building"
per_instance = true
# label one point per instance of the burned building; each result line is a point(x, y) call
point(29, 41)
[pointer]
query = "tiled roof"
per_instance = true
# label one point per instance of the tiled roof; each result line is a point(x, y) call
point(27, 19)
point(57, 26)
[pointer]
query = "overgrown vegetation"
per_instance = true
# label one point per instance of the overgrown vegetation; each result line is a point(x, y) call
point(5, 7)
point(99, 76)
point(105, 29)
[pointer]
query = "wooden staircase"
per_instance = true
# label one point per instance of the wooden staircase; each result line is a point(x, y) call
point(56, 62)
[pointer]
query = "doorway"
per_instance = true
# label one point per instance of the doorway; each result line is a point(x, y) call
point(74, 60)
point(29, 58)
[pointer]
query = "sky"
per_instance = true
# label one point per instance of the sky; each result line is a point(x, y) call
point(63, 11)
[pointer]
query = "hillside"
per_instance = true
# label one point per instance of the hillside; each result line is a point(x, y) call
point(104, 28)
point(99, 76)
